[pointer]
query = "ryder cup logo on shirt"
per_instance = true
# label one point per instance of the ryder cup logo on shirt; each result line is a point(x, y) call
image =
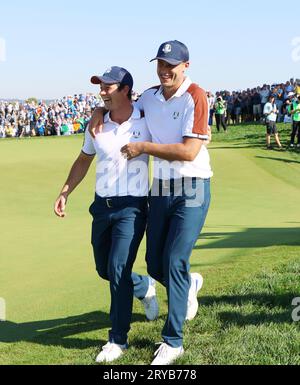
point(176, 115)
point(136, 134)
point(167, 48)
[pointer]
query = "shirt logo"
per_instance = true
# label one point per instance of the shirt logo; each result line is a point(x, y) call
point(176, 115)
point(167, 48)
point(136, 134)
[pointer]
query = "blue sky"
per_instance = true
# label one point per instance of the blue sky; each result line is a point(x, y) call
point(53, 48)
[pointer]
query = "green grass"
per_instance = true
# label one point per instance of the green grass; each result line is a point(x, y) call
point(248, 253)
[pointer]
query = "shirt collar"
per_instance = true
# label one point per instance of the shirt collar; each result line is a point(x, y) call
point(136, 114)
point(181, 90)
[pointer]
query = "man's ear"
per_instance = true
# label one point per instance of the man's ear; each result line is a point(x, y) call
point(126, 90)
point(186, 65)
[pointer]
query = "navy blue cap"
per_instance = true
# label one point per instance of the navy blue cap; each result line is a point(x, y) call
point(114, 75)
point(173, 52)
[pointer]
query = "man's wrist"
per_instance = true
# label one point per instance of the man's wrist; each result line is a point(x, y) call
point(144, 148)
point(64, 194)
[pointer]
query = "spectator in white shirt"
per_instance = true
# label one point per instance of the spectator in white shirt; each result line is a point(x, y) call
point(270, 112)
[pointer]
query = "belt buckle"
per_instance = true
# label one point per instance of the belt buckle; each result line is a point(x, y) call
point(109, 203)
point(165, 183)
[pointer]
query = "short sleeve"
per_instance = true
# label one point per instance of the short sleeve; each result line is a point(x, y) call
point(88, 147)
point(196, 114)
point(139, 104)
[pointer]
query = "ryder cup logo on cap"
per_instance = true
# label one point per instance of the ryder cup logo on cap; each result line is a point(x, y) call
point(167, 48)
point(173, 52)
point(114, 75)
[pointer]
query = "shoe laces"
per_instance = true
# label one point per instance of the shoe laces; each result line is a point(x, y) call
point(163, 350)
point(108, 347)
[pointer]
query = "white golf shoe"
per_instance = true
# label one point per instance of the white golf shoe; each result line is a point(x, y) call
point(111, 352)
point(166, 355)
point(150, 302)
point(196, 286)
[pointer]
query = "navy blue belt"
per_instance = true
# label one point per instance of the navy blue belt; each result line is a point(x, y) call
point(115, 202)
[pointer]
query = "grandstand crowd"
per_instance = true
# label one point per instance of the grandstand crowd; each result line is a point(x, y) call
point(66, 116)
point(247, 106)
point(71, 114)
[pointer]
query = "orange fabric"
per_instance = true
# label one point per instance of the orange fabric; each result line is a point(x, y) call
point(201, 109)
point(76, 127)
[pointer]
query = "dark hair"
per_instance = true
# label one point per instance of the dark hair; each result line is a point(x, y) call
point(122, 86)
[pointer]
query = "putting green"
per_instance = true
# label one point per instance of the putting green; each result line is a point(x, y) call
point(47, 271)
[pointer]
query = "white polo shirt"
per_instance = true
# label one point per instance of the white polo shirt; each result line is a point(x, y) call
point(115, 175)
point(169, 121)
point(271, 110)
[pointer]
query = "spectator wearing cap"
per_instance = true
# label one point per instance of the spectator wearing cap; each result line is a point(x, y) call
point(264, 95)
point(119, 210)
point(256, 101)
point(40, 127)
point(289, 87)
point(279, 99)
point(270, 112)
point(21, 127)
point(286, 107)
point(294, 110)
point(237, 103)
point(211, 102)
point(220, 111)
point(229, 108)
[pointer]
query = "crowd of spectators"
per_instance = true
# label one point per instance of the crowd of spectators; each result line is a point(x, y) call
point(66, 116)
point(71, 114)
point(247, 106)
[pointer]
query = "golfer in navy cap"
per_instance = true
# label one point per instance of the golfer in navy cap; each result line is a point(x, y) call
point(120, 207)
point(176, 113)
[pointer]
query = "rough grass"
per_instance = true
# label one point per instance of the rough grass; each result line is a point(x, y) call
point(248, 253)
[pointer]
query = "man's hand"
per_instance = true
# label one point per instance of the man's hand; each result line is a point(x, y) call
point(60, 206)
point(132, 150)
point(96, 122)
point(207, 142)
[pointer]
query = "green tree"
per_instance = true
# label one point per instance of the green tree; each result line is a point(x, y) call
point(32, 100)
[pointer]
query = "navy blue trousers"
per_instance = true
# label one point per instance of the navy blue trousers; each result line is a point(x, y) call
point(174, 225)
point(117, 231)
